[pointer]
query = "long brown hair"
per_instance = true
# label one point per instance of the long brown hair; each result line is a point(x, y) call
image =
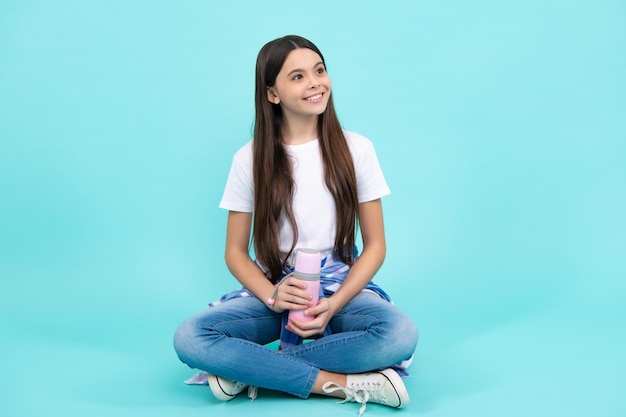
point(273, 181)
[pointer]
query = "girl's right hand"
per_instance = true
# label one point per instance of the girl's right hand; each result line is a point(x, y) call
point(291, 295)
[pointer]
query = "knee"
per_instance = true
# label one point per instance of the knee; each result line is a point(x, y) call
point(403, 336)
point(184, 338)
point(181, 335)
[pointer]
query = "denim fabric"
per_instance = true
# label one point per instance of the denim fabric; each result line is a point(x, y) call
point(228, 340)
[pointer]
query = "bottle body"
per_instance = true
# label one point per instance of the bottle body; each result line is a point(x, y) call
point(307, 268)
point(313, 288)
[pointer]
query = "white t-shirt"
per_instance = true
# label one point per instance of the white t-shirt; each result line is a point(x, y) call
point(313, 204)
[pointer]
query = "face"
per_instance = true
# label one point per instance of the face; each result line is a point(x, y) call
point(302, 87)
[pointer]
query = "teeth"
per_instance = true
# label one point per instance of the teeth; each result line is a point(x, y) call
point(315, 97)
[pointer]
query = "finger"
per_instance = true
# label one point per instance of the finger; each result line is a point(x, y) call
point(294, 302)
point(316, 310)
point(292, 327)
point(317, 324)
point(296, 296)
point(295, 282)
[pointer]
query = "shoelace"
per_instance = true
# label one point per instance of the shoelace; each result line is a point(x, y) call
point(358, 395)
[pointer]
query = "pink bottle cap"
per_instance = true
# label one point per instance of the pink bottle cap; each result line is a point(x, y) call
point(308, 261)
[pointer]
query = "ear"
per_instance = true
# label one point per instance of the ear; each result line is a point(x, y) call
point(272, 97)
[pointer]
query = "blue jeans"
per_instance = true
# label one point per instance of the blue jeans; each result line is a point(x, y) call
point(228, 340)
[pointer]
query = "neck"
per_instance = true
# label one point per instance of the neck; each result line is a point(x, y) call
point(299, 131)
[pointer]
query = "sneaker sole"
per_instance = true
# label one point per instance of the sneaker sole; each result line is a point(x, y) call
point(396, 382)
point(217, 390)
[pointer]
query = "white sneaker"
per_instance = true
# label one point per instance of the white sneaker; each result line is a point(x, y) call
point(381, 387)
point(225, 390)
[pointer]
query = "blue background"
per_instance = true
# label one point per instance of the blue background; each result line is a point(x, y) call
point(501, 129)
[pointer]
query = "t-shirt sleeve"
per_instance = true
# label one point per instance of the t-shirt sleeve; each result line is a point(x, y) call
point(239, 191)
point(371, 183)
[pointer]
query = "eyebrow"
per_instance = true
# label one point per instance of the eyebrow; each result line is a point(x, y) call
point(301, 70)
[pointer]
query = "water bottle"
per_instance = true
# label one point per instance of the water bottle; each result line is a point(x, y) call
point(307, 268)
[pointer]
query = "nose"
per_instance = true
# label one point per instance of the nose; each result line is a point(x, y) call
point(314, 83)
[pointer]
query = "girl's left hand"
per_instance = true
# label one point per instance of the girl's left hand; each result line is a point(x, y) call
point(322, 315)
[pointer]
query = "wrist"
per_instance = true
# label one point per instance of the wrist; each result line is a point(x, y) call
point(270, 301)
point(334, 305)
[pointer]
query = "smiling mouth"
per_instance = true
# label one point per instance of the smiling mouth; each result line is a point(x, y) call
point(315, 98)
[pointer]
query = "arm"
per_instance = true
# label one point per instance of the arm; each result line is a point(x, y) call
point(361, 273)
point(372, 257)
point(290, 294)
point(238, 258)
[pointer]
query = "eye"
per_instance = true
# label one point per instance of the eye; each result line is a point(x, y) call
point(320, 70)
point(297, 77)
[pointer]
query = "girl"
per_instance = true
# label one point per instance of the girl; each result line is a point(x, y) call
point(302, 182)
